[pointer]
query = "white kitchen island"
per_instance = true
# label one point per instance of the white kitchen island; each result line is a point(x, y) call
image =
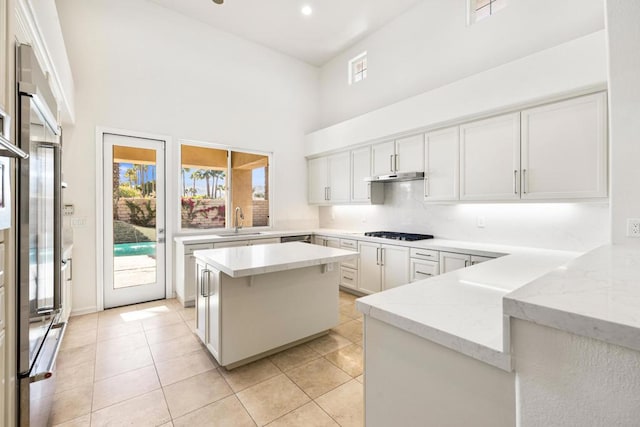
point(253, 301)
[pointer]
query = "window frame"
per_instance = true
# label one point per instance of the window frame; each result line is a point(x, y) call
point(471, 11)
point(229, 199)
point(352, 62)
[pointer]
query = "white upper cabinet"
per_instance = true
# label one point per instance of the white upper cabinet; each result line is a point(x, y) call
point(339, 177)
point(329, 179)
point(4, 21)
point(360, 169)
point(317, 180)
point(410, 154)
point(383, 158)
point(363, 191)
point(490, 159)
point(442, 165)
point(401, 155)
point(564, 149)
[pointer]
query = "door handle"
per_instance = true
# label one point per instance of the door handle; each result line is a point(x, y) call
point(161, 240)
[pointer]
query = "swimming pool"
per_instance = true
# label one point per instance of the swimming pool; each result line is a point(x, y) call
point(130, 249)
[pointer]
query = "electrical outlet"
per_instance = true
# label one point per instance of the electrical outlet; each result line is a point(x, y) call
point(481, 222)
point(633, 227)
point(68, 210)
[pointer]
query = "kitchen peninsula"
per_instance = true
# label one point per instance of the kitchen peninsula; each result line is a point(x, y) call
point(256, 300)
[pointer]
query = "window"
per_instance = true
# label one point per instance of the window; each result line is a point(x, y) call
point(215, 178)
point(481, 9)
point(358, 68)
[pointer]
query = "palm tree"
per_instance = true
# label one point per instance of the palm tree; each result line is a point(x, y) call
point(217, 175)
point(131, 175)
point(196, 176)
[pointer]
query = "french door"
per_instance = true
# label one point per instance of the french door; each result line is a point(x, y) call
point(134, 220)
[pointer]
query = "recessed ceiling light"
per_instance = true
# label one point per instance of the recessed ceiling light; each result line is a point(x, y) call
point(306, 10)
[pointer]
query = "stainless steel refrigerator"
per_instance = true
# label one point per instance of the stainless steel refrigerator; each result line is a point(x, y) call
point(39, 231)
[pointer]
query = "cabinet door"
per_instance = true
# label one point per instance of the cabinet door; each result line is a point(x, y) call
point(212, 285)
point(490, 159)
point(564, 149)
point(317, 180)
point(410, 154)
point(383, 158)
point(190, 281)
point(369, 279)
point(450, 261)
point(201, 302)
point(360, 169)
point(339, 177)
point(442, 165)
point(395, 266)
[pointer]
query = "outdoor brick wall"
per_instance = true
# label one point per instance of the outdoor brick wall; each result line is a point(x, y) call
point(123, 211)
point(207, 213)
point(260, 213)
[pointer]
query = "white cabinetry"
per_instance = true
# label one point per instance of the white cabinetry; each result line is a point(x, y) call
point(450, 261)
point(490, 159)
point(363, 191)
point(564, 149)
point(424, 264)
point(186, 271)
point(207, 307)
point(401, 155)
point(329, 179)
point(382, 266)
point(332, 242)
point(442, 165)
point(252, 242)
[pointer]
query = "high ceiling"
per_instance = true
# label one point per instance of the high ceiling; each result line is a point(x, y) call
point(334, 25)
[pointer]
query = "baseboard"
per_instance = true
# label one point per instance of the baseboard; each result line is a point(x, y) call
point(81, 311)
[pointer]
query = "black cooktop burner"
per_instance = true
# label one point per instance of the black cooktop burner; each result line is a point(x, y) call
point(398, 236)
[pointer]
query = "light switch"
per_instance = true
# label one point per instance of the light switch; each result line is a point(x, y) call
point(68, 210)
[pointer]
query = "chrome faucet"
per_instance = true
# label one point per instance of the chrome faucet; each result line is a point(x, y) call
point(238, 225)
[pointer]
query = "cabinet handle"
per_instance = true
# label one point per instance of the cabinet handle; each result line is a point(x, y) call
point(377, 256)
point(395, 165)
point(423, 273)
point(426, 185)
point(474, 262)
point(466, 263)
point(391, 162)
point(209, 283)
point(382, 257)
point(368, 191)
point(347, 278)
point(427, 255)
point(515, 181)
point(70, 261)
point(329, 191)
point(202, 283)
point(524, 181)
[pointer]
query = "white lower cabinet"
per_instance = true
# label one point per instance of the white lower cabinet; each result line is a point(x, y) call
point(332, 242)
point(421, 269)
point(202, 301)
point(186, 263)
point(382, 266)
point(450, 261)
point(207, 307)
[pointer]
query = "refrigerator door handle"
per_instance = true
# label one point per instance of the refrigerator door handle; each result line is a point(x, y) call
point(46, 373)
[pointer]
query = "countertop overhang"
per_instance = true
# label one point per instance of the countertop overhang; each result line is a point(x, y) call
point(245, 261)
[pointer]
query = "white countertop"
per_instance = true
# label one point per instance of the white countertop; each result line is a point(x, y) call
point(226, 235)
point(596, 295)
point(260, 259)
point(462, 310)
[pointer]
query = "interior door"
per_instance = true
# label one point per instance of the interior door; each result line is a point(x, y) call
point(134, 212)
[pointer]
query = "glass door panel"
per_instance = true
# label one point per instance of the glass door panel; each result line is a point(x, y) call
point(134, 226)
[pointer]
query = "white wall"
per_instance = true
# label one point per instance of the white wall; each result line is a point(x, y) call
point(568, 380)
point(623, 31)
point(565, 226)
point(566, 68)
point(430, 46)
point(141, 67)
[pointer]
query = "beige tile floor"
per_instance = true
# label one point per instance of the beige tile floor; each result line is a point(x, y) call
point(142, 366)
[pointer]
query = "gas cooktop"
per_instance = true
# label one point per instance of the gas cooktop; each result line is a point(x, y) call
point(411, 237)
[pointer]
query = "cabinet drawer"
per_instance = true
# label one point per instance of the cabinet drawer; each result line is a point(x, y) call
point(188, 249)
point(348, 277)
point(426, 254)
point(423, 269)
point(349, 244)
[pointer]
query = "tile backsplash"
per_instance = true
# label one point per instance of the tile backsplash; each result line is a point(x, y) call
point(566, 226)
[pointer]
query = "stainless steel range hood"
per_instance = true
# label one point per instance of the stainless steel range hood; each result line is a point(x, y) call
point(400, 176)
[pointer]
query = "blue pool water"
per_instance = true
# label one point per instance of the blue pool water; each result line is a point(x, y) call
point(130, 249)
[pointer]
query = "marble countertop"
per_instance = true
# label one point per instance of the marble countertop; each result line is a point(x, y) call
point(596, 295)
point(462, 310)
point(227, 236)
point(260, 259)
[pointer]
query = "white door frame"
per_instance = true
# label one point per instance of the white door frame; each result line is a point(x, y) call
point(169, 199)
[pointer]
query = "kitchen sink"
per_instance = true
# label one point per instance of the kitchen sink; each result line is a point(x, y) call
point(240, 233)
